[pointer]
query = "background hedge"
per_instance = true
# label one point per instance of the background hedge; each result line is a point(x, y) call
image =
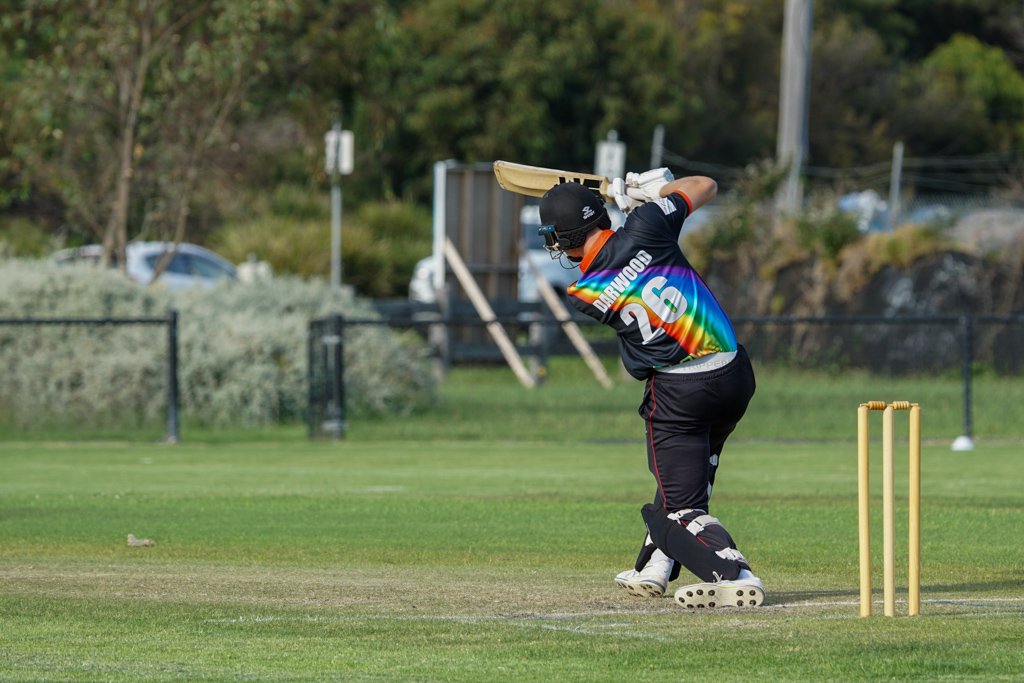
point(242, 352)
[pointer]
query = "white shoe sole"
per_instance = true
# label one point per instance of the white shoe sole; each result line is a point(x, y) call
point(722, 594)
point(641, 588)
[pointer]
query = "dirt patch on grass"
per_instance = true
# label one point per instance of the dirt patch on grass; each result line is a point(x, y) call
point(391, 588)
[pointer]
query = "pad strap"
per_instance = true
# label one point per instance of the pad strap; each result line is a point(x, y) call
point(696, 525)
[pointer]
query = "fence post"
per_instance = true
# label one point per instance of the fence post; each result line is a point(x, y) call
point(440, 335)
point(965, 442)
point(336, 419)
point(173, 420)
point(312, 414)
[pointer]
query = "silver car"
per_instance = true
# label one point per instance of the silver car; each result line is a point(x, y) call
point(190, 264)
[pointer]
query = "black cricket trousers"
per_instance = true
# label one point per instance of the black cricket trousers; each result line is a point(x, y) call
point(688, 418)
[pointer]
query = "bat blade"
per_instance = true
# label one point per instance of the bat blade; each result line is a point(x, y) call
point(534, 181)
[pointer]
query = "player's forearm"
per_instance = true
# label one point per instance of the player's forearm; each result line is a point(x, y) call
point(699, 189)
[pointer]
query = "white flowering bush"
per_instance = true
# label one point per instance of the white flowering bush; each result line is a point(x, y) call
point(242, 351)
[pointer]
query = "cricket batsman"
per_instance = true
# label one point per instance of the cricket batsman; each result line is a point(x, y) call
point(674, 335)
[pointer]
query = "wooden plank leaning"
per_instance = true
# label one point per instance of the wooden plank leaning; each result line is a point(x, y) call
point(486, 313)
point(571, 329)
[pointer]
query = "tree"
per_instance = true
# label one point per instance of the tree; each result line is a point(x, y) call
point(120, 102)
point(913, 29)
point(730, 68)
point(529, 80)
point(853, 90)
point(965, 98)
point(333, 60)
point(132, 118)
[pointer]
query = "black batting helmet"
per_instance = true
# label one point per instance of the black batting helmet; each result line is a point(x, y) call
point(568, 213)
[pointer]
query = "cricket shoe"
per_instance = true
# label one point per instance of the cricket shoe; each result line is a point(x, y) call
point(649, 582)
point(738, 593)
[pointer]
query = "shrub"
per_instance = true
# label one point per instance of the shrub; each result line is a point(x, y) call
point(385, 372)
point(744, 222)
point(292, 246)
point(381, 248)
point(826, 229)
point(291, 229)
point(22, 237)
point(242, 352)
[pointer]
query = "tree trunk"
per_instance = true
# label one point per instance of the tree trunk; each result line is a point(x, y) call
point(133, 84)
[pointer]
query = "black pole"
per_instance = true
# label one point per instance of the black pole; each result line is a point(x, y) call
point(173, 422)
point(312, 412)
point(338, 425)
point(967, 328)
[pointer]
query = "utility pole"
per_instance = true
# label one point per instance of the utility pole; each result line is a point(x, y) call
point(895, 175)
point(338, 162)
point(657, 145)
point(610, 157)
point(793, 97)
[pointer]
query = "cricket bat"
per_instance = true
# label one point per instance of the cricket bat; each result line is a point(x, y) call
point(536, 180)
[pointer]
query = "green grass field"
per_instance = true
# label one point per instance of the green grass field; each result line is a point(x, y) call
point(478, 544)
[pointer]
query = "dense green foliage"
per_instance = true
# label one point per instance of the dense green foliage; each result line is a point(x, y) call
point(158, 119)
point(290, 229)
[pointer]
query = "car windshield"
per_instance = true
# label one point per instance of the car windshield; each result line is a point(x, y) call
point(191, 264)
point(209, 268)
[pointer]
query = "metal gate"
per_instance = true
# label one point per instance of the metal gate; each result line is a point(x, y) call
point(326, 372)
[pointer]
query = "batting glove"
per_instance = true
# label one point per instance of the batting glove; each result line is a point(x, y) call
point(624, 198)
point(649, 183)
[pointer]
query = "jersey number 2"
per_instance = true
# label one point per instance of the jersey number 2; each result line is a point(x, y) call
point(668, 303)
